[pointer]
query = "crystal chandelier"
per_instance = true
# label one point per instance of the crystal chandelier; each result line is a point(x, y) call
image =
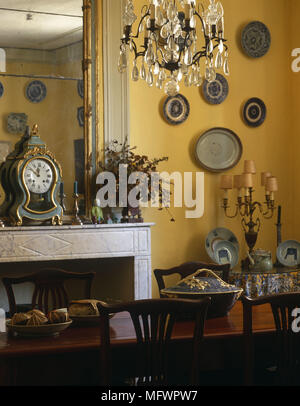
point(171, 49)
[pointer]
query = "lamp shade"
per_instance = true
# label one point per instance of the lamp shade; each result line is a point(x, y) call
point(264, 177)
point(226, 182)
point(249, 167)
point(272, 184)
point(247, 180)
point(237, 181)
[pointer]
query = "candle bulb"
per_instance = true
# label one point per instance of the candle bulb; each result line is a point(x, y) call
point(75, 187)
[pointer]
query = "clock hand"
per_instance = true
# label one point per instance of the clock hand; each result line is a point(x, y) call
point(36, 173)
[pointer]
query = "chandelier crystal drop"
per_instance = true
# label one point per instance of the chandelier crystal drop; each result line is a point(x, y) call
point(171, 38)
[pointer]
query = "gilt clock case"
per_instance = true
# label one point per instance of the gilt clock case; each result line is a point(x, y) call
point(34, 176)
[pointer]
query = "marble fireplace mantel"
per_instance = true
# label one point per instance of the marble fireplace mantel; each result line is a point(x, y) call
point(47, 243)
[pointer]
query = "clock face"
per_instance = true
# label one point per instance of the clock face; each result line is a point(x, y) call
point(38, 175)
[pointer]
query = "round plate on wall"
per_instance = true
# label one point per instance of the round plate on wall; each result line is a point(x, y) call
point(215, 92)
point(254, 112)
point(218, 149)
point(176, 109)
point(256, 39)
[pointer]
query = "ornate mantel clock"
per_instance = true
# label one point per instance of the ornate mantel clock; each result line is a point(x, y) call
point(30, 178)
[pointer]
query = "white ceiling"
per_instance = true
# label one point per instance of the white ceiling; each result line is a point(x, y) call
point(54, 23)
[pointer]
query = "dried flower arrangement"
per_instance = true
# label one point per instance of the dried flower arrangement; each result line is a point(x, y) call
point(116, 154)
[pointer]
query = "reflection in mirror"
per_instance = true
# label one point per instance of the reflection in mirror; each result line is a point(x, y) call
point(43, 81)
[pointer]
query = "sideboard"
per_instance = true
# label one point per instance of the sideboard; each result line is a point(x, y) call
point(32, 244)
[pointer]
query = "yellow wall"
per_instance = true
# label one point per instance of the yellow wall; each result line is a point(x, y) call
point(267, 78)
point(293, 138)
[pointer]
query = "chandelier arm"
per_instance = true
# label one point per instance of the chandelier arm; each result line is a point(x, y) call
point(201, 19)
point(140, 23)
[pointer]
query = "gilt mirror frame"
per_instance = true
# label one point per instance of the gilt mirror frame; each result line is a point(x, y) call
point(106, 91)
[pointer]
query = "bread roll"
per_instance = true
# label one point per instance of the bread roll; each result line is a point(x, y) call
point(85, 307)
point(20, 319)
point(36, 319)
point(58, 316)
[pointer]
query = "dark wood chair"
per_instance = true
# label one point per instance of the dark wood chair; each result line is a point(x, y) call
point(286, 368)
point(188, 268)
point(153, 321)
point(49, 288)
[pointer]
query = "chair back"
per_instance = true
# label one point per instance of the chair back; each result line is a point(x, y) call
point(153, 321)
point(49, 288)
point(285, 308)
point(188, 268)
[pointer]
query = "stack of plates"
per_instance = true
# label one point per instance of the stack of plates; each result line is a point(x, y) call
point(222, 247)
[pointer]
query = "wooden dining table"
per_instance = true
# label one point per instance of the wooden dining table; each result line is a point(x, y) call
point(72, 357)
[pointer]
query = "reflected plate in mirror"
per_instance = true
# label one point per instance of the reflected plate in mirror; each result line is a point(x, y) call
point(218, 149)
point(288, 253)
point(1, 89)
point(254, 112)
point(215, 92)
point(80, 116)
point(36, 91)
point(176, 109)
point(80, 88)
point(256, 39)
point(16, 123)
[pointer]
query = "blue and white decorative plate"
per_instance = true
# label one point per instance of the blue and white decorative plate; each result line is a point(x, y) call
point(226, 253)
point(80, 87)
point(80, 116)
point(215, 92)
point(254, 112)
point(176, 109)
point(256, 39)
point(1, 89)
point(36, 91)
point(288, 253)
point(217, 235)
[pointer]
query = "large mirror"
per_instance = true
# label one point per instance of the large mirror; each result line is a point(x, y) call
point(47, 80)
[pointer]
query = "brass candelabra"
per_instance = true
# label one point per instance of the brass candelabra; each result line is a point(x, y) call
point(246, 206)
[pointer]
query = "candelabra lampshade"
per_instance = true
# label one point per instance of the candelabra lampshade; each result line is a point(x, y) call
point(264, 177)
point(175, 35)
point(271, 184)
point(226, 182)
point(249, 167)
